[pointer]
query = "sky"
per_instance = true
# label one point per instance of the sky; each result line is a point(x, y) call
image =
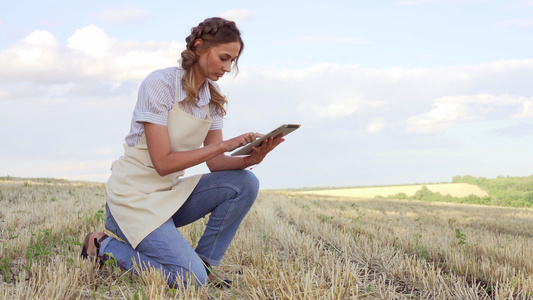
point(387, 92)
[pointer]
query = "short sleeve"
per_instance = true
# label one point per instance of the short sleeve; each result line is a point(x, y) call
point(155, 99)
point(218, 122)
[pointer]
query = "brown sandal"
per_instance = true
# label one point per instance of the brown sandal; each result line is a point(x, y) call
point(97, 243)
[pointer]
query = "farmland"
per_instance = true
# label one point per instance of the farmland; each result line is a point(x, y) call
point(292, 245)
point(453, 189)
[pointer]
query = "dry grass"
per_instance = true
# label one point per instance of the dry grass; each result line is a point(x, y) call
point(291, 246)
point(452, 189)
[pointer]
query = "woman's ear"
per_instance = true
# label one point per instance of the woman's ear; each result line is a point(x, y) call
point(197, 43)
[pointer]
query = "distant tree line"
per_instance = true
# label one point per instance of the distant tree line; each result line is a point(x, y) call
point(503, 191)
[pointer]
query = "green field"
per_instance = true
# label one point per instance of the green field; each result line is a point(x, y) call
point(457, 190)
point(501, 191)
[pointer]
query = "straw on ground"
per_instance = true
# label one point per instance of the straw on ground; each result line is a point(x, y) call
point(290, 246)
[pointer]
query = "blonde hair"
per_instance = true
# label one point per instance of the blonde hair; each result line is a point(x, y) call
point(213, 32)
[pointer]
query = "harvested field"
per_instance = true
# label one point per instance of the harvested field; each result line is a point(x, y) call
point(452, 189)
point(290, 246)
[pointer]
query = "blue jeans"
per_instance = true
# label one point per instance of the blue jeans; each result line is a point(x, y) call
point(227, 195)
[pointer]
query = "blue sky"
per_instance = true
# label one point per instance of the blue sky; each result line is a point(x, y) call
point(387, 92)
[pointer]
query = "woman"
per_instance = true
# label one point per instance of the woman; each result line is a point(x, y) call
point(177, 110)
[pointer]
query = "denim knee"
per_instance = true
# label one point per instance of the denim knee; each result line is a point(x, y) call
point(249, 183)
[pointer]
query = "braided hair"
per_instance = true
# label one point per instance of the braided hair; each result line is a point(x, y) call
point(213, 32)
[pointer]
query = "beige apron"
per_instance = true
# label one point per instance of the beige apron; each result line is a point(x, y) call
point(140, 199)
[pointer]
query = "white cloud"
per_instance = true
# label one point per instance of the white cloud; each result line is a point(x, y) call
point(376, 126)
point(37, 48)
point(91, 40)
point(527, 110)
point(41, 37)
point(451, 110)
point(325, 98)
point(237, 15)
point(122, 15)
point(85, 92)
point(411, 101)
point(90, 53)
point(442, 116)
point(325, 39)
point(338, 109)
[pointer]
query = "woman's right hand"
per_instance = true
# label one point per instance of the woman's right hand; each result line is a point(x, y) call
point(241, 140)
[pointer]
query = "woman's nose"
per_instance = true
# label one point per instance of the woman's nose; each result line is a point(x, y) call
point(227, 67)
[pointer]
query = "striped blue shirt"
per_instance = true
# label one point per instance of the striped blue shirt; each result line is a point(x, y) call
point(156, 99)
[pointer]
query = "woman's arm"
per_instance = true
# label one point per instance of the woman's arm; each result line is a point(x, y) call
point(166, 162)
point(223, 162)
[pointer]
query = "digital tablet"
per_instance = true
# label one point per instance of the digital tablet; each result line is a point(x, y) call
point(247, 149)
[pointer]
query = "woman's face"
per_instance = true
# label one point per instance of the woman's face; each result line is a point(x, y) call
point(214, 62)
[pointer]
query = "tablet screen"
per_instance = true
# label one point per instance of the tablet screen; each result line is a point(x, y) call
point(285, 128)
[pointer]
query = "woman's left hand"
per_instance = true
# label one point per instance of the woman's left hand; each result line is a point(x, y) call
point(259, 152)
